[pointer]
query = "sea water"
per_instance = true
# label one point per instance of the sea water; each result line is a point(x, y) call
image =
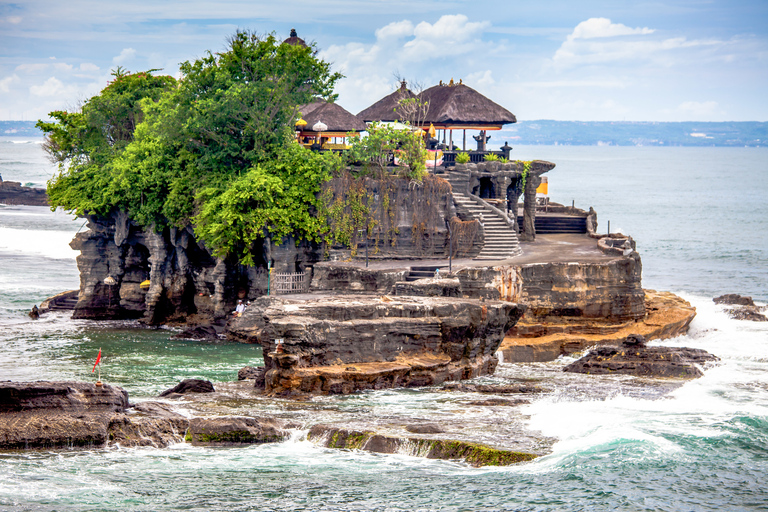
point(699, 217)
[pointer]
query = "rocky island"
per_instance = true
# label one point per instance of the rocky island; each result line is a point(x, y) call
point(361, 268)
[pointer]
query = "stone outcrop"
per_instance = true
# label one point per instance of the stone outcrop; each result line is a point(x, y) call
point(235, 431)
point(340, 277)
point(472, 453)
point(741, 307)
point(189, 386)
point(539, 340)
point(13, 193)
point(57, 414)
point(633, 357)
point(147, 424)
point(345, 344)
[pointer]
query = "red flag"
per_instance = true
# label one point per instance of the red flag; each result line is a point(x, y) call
point(98, 358)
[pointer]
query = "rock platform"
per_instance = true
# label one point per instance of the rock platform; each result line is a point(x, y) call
point(343, 344)
point(541, 340)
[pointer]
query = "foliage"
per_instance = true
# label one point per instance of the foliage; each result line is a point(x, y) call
point(412, 111)
point(504, 160)
point(462, 158)
point(382, 142)
point(277, 198)
point(526, 170)
point(85, 143)
point(491, 157)
point(214, 149)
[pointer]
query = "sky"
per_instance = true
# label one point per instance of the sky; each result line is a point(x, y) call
point(592, 60)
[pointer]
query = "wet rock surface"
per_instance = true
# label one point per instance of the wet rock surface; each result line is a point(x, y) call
point(13, 193)
point(57, 414)
point(734, 299)
point(633, 357)
point(251, 373)
point(743, 308)
point(507, 389)
point(473, 453)
point(189, 386)
point(200, 332)
point(235, 431)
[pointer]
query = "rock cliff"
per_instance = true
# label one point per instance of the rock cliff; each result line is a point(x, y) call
point(345, 344)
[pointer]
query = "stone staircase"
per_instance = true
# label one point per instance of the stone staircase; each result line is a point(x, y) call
point(500, 238)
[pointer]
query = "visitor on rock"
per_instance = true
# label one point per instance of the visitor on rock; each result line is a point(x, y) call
point(240, 308)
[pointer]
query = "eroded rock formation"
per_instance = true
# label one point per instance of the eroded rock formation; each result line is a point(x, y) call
point(345, 344)
point(12, 192)
point(633, 357)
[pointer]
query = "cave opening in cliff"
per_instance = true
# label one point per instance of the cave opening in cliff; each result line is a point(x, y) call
point(487, 189)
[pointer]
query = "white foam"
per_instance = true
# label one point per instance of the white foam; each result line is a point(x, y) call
point(50, 244)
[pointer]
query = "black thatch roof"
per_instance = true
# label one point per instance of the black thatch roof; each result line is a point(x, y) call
point(336, 117)
point(295, 39)
point(384, 109)
point(452, 104)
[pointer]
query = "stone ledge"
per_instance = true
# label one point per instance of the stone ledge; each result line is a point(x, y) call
point(667, 316)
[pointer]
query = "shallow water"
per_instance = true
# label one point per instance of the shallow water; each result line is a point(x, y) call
point(613, 442)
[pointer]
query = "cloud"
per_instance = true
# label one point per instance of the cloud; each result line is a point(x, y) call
point(127, 55)
point(481, 78)
point(395, 30)
point(5, 83)
point(599, 41)
point(51, 87)
point(88, 66)
point(32, 68)
point(603, 27)
point(452, 33)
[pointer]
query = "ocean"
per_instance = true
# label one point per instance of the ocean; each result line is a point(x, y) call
point(699, 216)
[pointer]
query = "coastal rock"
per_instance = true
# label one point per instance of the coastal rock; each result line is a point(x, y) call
point(235, 431)
point(13, 193)
point(189, 386)
point(634, 358)
point(747, 313)
point(472, 453)
point(345, 344)
point(507, 389)
point(734, 299)
point(57, 414)
point(200, 332)
point(546, 339)
point(147, 424)
point(251, 373)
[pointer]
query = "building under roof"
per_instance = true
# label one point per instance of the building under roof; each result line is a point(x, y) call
point(455, 106)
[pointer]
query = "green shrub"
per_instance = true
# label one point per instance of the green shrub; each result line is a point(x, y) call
point(491, 157)
point(462, 158)
point(504, 160)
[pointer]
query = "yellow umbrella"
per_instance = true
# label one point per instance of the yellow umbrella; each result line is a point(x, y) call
point(432, 130)
point(145, 284)
point(301, 122)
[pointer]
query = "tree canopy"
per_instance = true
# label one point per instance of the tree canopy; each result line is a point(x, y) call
point(214, 149)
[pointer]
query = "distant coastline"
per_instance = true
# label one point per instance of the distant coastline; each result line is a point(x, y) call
point(581, 133)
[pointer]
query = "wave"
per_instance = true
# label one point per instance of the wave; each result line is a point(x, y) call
point(50, 244)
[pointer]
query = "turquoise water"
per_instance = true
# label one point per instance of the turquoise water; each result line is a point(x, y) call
point(699, 217)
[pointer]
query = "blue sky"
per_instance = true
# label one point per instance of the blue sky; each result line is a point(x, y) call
point(677, 60)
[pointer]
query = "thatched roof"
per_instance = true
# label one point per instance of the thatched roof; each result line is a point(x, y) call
point(457, 104)
point(295, 40)
point(384, 109)
point(336, 117)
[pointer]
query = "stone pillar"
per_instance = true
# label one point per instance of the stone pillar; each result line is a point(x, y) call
point(529, 207)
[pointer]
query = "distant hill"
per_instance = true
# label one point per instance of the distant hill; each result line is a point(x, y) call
point(578, 133)
point(594, 133)
point(19, 129)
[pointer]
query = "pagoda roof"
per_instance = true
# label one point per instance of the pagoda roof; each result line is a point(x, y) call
point(459, 104)
point(333, 115)
point(384, 109)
